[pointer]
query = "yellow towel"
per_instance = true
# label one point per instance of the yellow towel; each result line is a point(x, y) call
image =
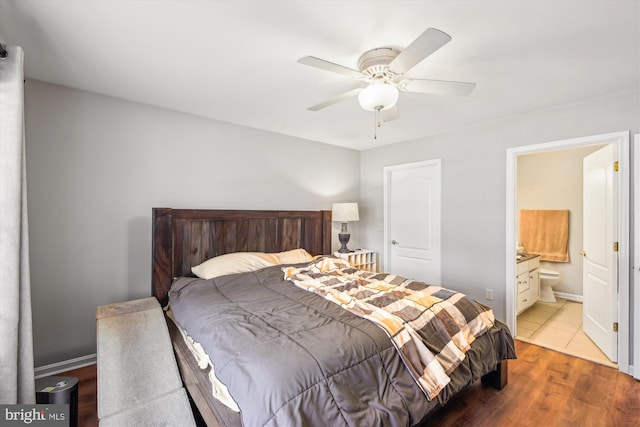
point(545, 232)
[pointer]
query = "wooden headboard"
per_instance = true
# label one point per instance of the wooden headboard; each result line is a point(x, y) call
point(183, 238)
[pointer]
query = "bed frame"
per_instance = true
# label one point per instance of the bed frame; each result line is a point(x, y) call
point(183, 238)
point(186, 237)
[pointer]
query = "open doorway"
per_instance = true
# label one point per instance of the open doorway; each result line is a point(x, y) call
point(572, 290)
point(553, 181)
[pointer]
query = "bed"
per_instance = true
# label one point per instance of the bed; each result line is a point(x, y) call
point(183, 238)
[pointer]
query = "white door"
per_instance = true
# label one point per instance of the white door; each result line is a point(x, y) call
point(412, 221)
point(600, 266)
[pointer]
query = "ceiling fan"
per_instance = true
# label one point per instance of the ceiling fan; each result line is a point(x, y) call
point(382, 71)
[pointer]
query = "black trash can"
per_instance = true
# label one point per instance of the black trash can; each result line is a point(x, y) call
point(59, 391)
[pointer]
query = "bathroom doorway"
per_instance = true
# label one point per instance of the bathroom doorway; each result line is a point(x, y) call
point(563, 157)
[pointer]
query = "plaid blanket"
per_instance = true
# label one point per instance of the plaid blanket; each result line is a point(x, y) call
point(431, 327)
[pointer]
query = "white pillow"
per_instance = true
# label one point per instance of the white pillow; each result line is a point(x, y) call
point(237, 262)
point(241, 262)
point(293, 256)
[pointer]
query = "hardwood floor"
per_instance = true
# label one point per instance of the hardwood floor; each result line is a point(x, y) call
point(549, 389)
point(545, 388)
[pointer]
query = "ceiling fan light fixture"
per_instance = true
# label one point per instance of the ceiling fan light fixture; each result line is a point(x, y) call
point(378, 96)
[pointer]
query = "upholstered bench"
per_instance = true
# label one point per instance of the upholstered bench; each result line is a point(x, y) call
point(138, 378)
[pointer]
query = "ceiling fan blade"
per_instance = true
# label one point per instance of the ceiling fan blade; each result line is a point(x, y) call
point(439, 87)
point(390, 114)
point(427, 43)
point(312, 61)
point(335, 100)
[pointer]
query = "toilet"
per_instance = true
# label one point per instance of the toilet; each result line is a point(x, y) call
point(548, 279)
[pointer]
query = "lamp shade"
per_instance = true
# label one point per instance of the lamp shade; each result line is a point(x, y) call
point(344, 212)
point(378, 96)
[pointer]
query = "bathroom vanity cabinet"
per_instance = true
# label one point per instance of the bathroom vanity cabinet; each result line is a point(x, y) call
point(527, 282)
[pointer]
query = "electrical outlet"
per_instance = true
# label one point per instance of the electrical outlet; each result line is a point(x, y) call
point(488, 294)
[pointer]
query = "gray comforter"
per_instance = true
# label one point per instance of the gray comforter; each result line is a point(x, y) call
point(290, 357)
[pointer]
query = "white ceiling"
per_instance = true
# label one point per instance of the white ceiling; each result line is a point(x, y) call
point(235, 61)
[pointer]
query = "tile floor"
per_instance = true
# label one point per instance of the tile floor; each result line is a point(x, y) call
point(558, 326)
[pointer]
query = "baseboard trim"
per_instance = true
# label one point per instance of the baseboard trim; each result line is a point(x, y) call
point(569, 297)
point(65, 365)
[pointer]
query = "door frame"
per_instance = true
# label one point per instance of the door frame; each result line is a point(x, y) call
point(622, 141)
point(387, 180)
point(636, 245)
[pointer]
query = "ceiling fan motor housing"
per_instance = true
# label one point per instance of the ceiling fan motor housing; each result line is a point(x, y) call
point(375, 62)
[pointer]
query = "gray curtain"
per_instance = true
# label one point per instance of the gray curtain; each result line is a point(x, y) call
point(16, 337)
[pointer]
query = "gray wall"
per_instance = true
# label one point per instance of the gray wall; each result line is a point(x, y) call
point(553, 180)
point(474, 184)
point(97, 165)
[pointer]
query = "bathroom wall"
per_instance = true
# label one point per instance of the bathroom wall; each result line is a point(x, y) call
point(553, 180)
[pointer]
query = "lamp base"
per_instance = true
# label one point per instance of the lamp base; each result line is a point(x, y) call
point(344, 239)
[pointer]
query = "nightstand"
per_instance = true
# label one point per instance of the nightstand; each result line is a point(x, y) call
point(362, 259)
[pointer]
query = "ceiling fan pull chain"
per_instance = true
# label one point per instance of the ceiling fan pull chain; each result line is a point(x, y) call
point(376, 124)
